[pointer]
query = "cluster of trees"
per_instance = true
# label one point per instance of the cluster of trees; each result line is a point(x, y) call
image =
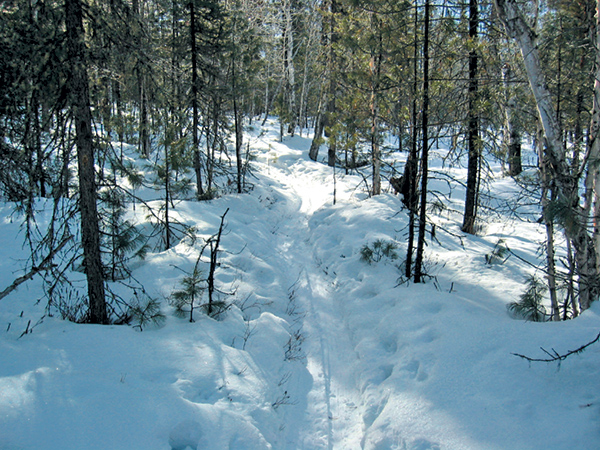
point(181, 78)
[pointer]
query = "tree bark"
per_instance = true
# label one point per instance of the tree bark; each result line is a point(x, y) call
point(566, 182)
point(144, 139)
point(425, 151)
point(411, 198)
point(290, 74)
point(473, 126)
point(375, 67)
point(594, 159)
point(313, 153)
point(547, 197)
point(331, 104)
point(195, 124)
point(238, 125)
point(511, 132)
point(79, 100)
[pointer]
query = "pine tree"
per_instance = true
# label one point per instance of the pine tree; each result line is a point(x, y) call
point(473, 137)
point(79, 97)
point(189, 297)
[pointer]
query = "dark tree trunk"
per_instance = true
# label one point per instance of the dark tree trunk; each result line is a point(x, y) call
point(168, 143)
point(375, 65)
point(144, 140)
point(289, 70)
point(473, 127)
point(79, 99)
point(195, 124)
point(313, 153)
point(425, 152)
point(239, 130)
point(331, 105)
point(411, 199)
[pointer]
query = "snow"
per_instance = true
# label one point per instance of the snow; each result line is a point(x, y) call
point(319, 350)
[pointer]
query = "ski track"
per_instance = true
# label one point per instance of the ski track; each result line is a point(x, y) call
point(331, 419)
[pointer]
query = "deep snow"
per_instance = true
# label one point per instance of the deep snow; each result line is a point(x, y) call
point(320, 349)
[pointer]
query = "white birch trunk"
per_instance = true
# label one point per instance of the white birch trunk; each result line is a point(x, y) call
point(594, 158)
point(566, 182)
point(291, 77)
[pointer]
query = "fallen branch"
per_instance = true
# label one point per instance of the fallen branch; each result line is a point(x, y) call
point(28, 276)
point(555, 356)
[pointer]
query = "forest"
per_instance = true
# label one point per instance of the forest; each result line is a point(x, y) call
point(187, 77)
point(259, 169)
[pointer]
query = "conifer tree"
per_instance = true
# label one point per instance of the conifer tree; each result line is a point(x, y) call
point(419, 273)
point(79, 97)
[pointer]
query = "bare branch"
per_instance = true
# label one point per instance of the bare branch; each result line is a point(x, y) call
point(43, 266)
point(555, 356)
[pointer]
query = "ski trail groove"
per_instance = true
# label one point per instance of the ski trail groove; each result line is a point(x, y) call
point(332, 419)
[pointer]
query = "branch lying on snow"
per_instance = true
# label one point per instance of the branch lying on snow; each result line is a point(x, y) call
point(28, 276)
point(555, 356)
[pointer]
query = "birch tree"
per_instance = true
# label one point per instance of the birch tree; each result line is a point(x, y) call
point(573, 215)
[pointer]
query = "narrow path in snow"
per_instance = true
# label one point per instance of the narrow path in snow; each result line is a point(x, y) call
point(332, 419)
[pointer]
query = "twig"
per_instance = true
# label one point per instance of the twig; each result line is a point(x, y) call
point(28, 276)
point(555, 356)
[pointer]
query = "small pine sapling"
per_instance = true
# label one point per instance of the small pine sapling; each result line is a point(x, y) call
point(500, 253)
point(121, 241)
point(145, 311)
point(378, 250)
point(529, 306)
point(189, 297)
point(186, 299)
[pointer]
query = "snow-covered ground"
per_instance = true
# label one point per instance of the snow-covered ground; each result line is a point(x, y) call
point(320, 350)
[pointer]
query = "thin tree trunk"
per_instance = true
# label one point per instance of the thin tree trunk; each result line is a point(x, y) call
point(37, 143)
point(425, 151)
point(290, 76)
point(315, 144)
point(239, 135)
point(570, 283)
point(473, 130)
point(411, 168)
point(168, 143)
point(320, 118)
point(547, 197)
point(195, 140)
point(79, 99)
point(375, 66)
point(302, 116)
point(144, 140)
point(331, 104)
point(594, 160)
point(267, 102)
point(512, 132)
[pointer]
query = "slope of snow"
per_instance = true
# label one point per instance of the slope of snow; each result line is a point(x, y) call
point(319, 350)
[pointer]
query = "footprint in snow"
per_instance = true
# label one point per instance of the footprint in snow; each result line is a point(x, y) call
point(185, 434)
point(428, 336)
point(414, 370)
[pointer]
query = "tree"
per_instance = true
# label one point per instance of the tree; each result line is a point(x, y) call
point(409, 179)
point(573, 216)
point(79, 98)
point(288, 34)
point(512, 130)
point(195, 109)
point(324, 122)
point(473, 137)
point(207, 36)
point(418, 275)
